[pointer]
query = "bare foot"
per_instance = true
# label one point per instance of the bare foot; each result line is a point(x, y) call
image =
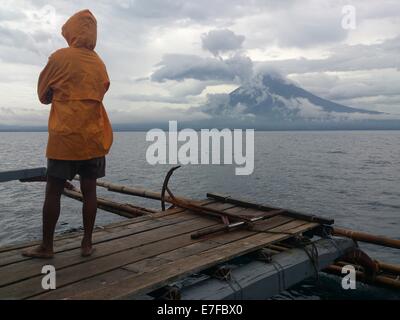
point(87, 251)
point(86, 247)
point(38, 252)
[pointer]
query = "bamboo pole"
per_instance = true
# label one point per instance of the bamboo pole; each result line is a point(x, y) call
point(182, 202)
point(125, 210)
point(144, 193)
point(192, 205)
point(393, 268)
point(130, 190)
point(366, 237)
point(380, 280)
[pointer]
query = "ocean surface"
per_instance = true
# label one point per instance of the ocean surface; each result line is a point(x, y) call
point(351, 176)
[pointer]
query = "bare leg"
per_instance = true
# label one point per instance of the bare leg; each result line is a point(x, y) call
point(51, 212)
point(88, 188)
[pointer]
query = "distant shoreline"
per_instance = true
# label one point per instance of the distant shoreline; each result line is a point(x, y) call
point(257, 130)
point(219, 124)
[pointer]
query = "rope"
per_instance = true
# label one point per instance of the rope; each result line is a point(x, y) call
point(303, 242)
point(230, 279)
point(300, 242)
point(238, 284)
point(268, 259)
point(233, 289)
point(329, 237)
point(281, 275)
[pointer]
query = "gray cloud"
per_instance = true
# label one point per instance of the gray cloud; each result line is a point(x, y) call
point(27, 47)
point(15, 38)
point(23, 116)
point(344, 58)
point(304, 27)
point(9, 14)
point(154, 98)
point(163, 114)
point(205, 11)
point(181, 66)
point(376, 89)
point(215, 102)
point(136, 34)
point(218, 41)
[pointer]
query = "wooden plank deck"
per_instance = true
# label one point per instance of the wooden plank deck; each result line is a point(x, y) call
point(139, 255)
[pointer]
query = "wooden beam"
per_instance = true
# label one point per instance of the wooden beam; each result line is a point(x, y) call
point(367, 237)
point(123, 209)
point(288, 212)
point(379, 280)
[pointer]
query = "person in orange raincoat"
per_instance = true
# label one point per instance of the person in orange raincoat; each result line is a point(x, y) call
point(74, 81)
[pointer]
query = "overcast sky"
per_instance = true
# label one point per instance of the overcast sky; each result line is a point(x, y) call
point(164, 56)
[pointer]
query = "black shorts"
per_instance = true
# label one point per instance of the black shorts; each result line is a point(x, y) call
point(67, 169)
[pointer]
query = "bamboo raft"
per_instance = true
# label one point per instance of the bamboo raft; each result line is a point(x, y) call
point(215, 248)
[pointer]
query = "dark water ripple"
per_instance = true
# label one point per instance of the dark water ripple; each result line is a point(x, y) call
point(350, 176)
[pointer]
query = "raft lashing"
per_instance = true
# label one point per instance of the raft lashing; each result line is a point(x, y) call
point(219, 247)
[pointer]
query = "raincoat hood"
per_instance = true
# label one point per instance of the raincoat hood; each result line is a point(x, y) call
point(80, 30)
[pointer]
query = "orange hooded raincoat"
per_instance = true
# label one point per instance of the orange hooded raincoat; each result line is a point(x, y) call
point(75, 81)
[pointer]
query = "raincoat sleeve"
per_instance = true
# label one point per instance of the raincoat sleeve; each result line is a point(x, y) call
point(46, 78)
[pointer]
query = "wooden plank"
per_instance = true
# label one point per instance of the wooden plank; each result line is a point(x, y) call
point(275, 224)
point(131, 249)
point(91, 283)
point(162, 275)
point(252, 213)
point(29, 268)
point(146, 265)
point(30, 287)
point(60, 240)
point(160, 214)
point(105, 234)
point(22, 174)
point(128, 224)
point(9, 258)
